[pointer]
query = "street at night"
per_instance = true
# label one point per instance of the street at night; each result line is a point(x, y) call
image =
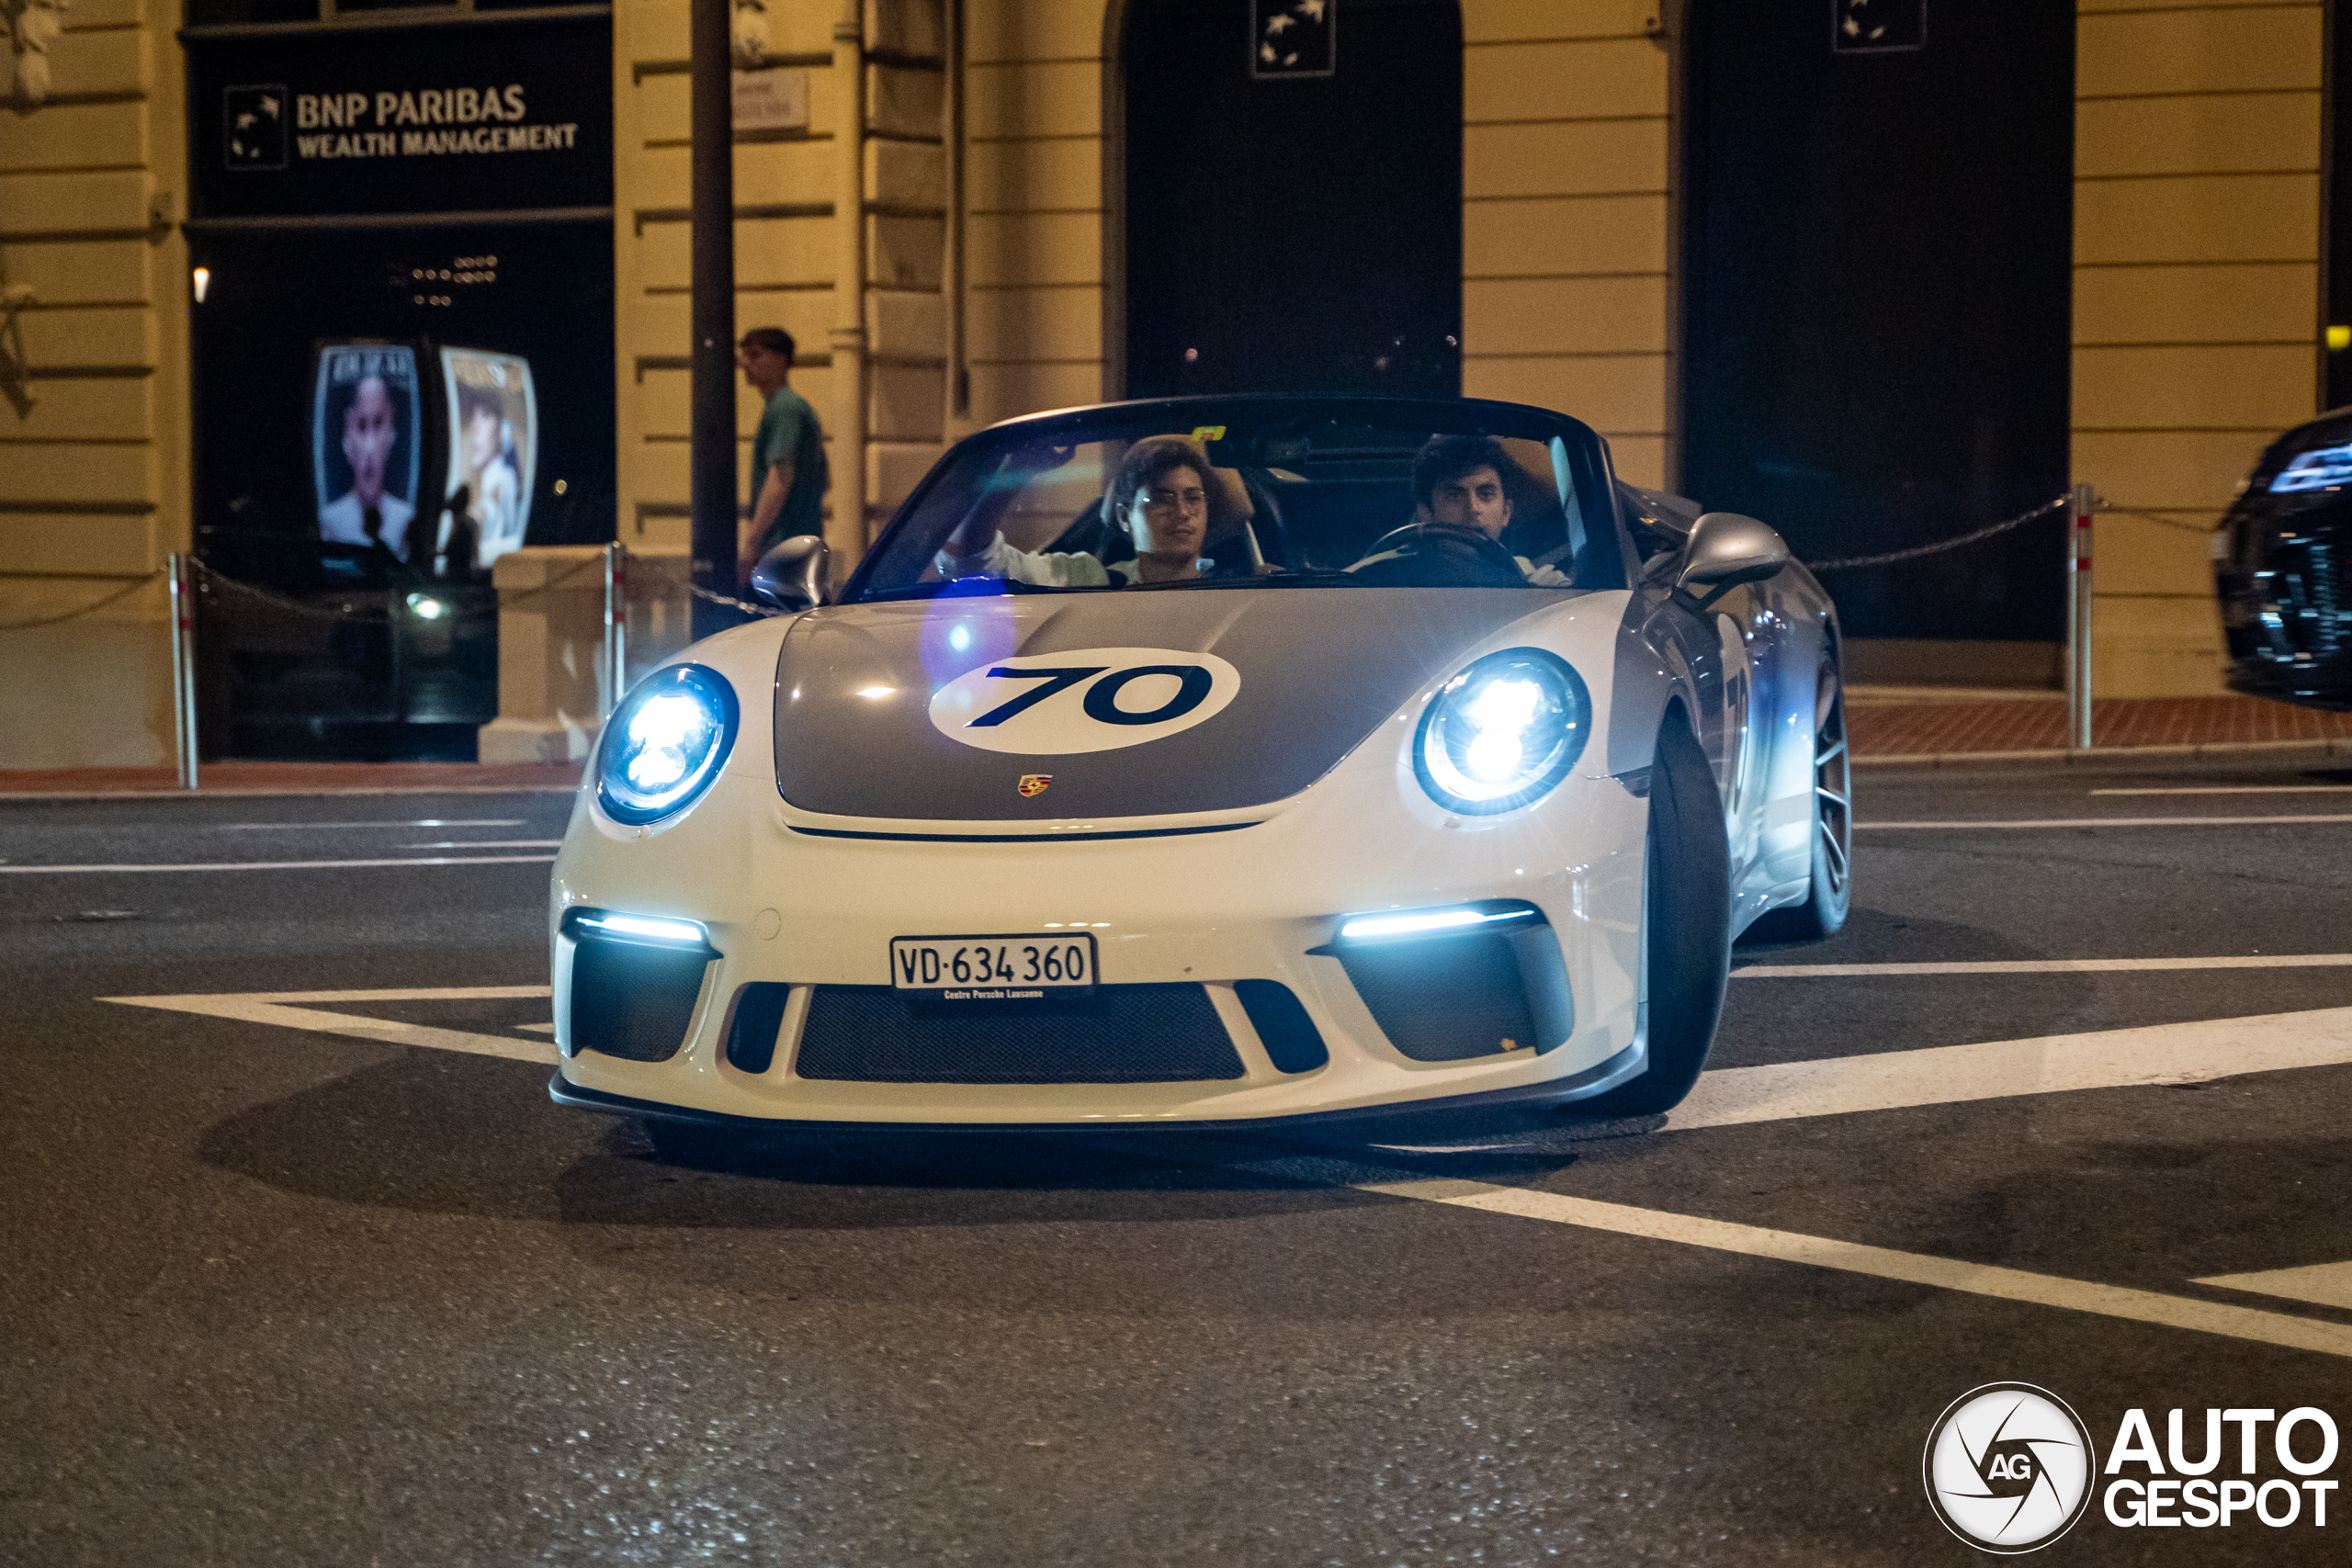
point(302, 1266)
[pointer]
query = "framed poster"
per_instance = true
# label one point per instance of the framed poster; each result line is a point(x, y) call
point(364, 434)
point(494, 448)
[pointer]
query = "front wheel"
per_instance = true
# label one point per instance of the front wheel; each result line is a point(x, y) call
point(1686, 930)
point(1831, 892)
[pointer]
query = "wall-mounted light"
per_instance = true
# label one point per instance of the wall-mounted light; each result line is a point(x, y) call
point(202, 279)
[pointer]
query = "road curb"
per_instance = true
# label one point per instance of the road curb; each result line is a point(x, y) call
point(2325, 747)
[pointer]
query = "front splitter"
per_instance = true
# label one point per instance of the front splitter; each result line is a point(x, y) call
point(1593, 1080)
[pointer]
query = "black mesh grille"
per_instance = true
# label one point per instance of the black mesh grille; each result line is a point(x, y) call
point(1447, 997)
point(1121, 1034)
point(1292, 1042)
point(633, 1002)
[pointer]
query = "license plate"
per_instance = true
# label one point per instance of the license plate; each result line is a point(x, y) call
point(993, 969)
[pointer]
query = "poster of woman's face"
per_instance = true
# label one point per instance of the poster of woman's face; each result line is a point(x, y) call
point(493, 446)
point(364, 442)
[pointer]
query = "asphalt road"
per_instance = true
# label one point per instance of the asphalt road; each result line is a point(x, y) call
point(277, 1293)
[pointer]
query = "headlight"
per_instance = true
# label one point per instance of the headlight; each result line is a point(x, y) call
point(1503, 732)
point(664, 744)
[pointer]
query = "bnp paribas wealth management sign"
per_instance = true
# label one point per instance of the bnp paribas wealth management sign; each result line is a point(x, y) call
point(481, 116)
point(424, 122)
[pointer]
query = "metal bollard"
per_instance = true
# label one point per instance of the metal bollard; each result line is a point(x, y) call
point(2079, 505)
point(182, 570)
point(616, 626)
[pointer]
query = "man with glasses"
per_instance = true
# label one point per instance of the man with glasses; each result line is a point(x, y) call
point(1159, 499)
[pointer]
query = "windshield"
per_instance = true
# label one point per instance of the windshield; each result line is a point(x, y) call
point(1262, 493)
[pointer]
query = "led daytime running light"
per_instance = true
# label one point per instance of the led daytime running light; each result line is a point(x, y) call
point(1424, 922)
point(645, 928)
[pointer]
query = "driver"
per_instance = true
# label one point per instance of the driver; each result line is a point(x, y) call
point(1161, 495)
point(1459, 480)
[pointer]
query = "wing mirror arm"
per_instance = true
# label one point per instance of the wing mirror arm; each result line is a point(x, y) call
point(791, 575)
point(1723, 551)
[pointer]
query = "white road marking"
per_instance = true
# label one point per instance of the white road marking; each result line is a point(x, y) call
point(2237, 789)
point(2041, 967)
point(492, 844)
point(2335, 1025)
point(379, 822)
point(1884, 1263)
point(1946, 1074)
point(288, 865)
point(2323, 1284)
point(269, 1007)
point(2108, 822)
point(400, 994)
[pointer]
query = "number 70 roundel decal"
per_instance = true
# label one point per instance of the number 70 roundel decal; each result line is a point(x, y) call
point(1088, 699)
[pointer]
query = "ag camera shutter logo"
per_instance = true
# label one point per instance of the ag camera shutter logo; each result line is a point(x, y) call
point(2008, 1468)
point(1088, 699)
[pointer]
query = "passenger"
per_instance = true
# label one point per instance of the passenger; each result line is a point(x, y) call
point(1161, 497)
point(1459, 479)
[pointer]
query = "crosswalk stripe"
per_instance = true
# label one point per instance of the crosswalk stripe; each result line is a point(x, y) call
point(2323, 1284)
point(2041, 967)
point(1945, 1075)
point(283, 864)
point(2109, 822)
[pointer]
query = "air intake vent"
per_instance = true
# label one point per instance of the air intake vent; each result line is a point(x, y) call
point(1451, 996)
point(750, 1034)
point(1292, 1042)
point(1121, 1034)
point(633, 1000)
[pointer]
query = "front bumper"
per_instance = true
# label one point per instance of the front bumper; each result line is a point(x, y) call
point(791, 907)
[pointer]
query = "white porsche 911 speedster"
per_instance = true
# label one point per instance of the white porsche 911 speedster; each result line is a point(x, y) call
point(1212, 760)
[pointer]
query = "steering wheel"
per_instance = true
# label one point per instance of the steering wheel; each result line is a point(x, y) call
point(1432, 555)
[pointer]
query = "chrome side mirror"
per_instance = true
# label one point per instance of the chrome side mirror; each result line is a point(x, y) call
point(1727, 549)
point(791, 576)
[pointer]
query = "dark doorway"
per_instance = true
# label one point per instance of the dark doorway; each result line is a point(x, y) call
point(1878, 252)
point(2335, 240)
point(1293, 219)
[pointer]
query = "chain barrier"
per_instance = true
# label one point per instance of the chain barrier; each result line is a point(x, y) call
point(645, 565)
point(2044, 509)
point(2161, 522)
point(348, 612)
point(95, 606)
point(212, 579)
point(207, 578)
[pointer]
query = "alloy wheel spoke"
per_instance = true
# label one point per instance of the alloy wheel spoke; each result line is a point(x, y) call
point(1837, 856)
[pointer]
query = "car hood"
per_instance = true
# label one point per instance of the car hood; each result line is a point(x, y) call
point(1304, 675)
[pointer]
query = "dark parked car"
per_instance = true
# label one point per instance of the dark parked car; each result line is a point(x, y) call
point(2278, 564)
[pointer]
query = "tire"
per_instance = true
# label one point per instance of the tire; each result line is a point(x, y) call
point(1686, 936)
point(1831, 893)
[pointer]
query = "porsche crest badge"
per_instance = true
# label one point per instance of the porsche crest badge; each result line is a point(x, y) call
point(1033, 784)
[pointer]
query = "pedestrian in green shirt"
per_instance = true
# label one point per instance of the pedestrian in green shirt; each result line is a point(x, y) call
point(788, 475)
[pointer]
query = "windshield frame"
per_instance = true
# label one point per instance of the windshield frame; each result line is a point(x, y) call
point(1590, 468)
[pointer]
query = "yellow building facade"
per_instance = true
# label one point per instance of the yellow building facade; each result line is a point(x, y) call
point(990, 257)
